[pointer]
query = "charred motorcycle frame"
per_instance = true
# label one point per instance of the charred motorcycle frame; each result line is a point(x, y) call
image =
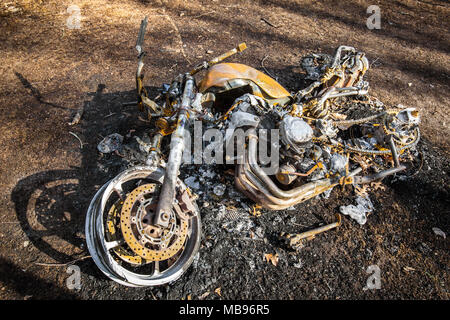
point(143, 227)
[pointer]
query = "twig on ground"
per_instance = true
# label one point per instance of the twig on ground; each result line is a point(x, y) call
point(132, 103)
point(251, 25)
point(61, 264)
point(421, 165)
point(262, 65)
point(370, 66)
point(180, 40)
point(433, 4)
point(203, 14)
point(299, 224)
point(81, 142)
point(261, 288)
point(269, 23)
point(109, 115)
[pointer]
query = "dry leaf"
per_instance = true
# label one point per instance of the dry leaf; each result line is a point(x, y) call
point(271, 258)
point(377, 185)
point(407, 269)
point(203, 296)
point(255, 210)
point(338, 116)
point(218, 291)
point(361, 191)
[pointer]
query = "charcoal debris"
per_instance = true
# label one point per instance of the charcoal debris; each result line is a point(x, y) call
point(192, 183)
point(219, 189)
point(110, 143)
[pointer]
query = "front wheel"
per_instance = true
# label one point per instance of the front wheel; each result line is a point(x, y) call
point(124, 243)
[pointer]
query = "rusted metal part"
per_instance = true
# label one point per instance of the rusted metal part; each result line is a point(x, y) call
point(338, 80)
point(413, 143)
point(358, 121)
point(260, 188)
point(394, 151)
point(205, 65)
point(165, 128)
point(317, 166)
point(113, 235)
point(143, 99)
point(286, 174)
point(296, 240)
point(184, 206)
point(378, 176)
point(155, 150)
point(221, 74)
point(270, 196)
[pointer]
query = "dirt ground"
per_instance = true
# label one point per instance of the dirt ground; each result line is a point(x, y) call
point(47, 178)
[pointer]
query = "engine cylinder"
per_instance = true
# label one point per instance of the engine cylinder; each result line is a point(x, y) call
point(295, 133)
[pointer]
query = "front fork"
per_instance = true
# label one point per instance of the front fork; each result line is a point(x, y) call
point(167, 194)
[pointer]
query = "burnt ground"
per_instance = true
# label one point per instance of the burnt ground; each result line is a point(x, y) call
point(47, 179)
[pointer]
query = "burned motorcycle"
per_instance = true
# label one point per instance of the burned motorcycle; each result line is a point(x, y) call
point(143, 227)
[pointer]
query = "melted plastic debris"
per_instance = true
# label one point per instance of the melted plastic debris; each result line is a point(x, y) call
point(143, 145)
point(338, 163)
point(298, 264)
point(439, 232)
point(358, 212)
point(208, 173)
point(315, 64)
point(110, 143)
point(219, 189)
point(327, 193)
point(192, 183)
point(241, 225)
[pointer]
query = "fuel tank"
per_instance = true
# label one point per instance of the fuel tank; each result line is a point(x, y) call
point(226, 76)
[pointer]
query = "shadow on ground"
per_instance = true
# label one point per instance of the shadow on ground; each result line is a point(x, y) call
point(51, 205)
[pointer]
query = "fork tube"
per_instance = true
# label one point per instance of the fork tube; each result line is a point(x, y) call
point(167, 194)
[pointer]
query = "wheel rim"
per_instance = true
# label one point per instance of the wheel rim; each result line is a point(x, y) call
point(102, 252)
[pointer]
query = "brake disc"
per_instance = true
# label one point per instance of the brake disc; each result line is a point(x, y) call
point(113, 233)
point(148, 241)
